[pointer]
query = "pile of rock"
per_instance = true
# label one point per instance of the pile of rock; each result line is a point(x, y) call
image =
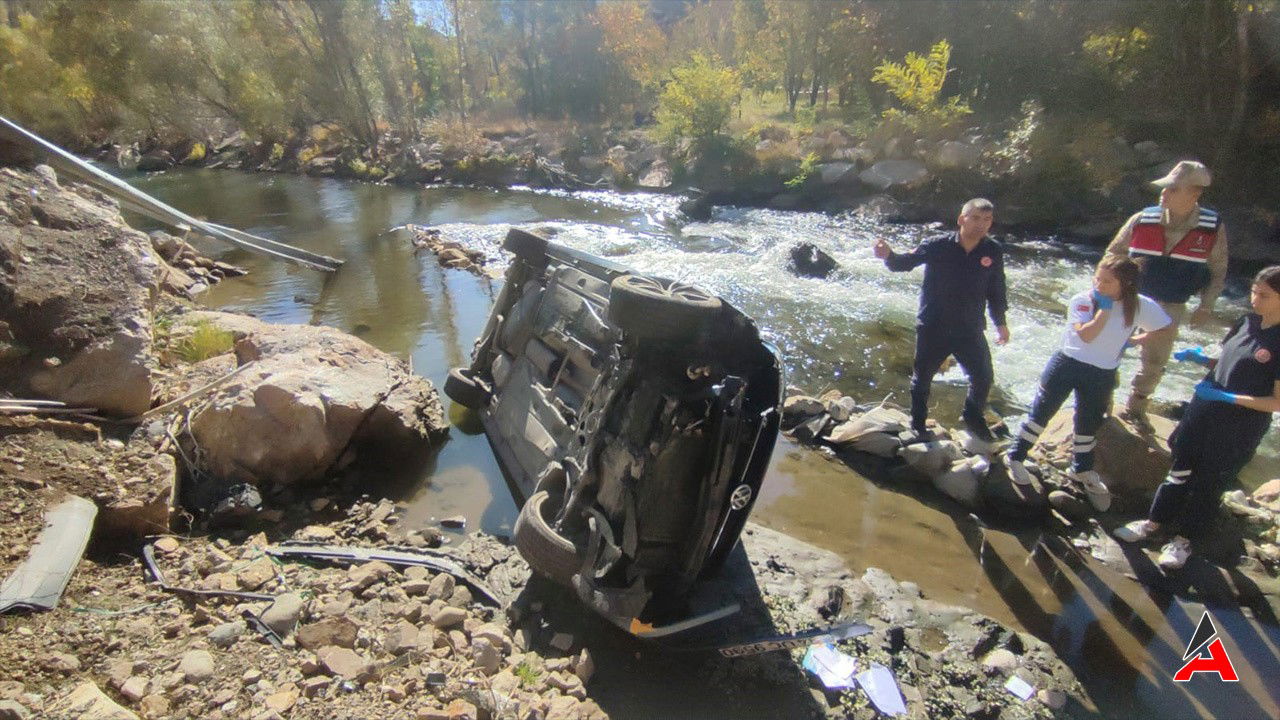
point(367, 640)
point(185, 272)
point(956, 463)
point(1261, 514)
point(449, 253)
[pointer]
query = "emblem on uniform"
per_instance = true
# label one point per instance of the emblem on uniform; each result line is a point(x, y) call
point(1082, 308)
point(1262, 355)
point(986, 261)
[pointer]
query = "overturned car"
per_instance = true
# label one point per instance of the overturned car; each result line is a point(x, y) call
point(635, 418)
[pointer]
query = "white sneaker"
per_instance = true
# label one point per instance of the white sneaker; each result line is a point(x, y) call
point(1099, 495)
point(1018, 471)
point(1136, 531)
point(1175, 553)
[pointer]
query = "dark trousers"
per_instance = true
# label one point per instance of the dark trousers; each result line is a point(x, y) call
point(933, 345)
point(1210, 446)
point(1092, 386)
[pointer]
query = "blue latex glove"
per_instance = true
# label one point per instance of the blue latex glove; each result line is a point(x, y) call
point(1192, 354)
point(1205, 391)
point(1102, 301)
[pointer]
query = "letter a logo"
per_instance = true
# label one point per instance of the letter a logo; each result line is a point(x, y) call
point(1206, 640)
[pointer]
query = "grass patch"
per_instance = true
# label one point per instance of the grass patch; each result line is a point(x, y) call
point(205, 341)
point(527, 674)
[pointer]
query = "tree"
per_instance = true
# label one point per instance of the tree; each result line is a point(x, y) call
point(917, 84)
point(698, 100)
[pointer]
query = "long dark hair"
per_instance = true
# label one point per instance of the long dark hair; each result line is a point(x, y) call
point(1126, 271)
point(1269, 276)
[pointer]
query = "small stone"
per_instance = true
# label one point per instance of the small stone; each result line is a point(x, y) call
point(318, 504)
point(251, 676)
point(311, 687)
point(196, 666)
point(135, 688)
point(340, 631)
point(401, 638)
point(1054, 699)
point(417, 572)
point(344, 663)
point(585, 667)
point(448, 617)
point(284, 699)
point(60, 662)
point(441, 586)
point(562, 642)
point(154, 706)
point(485, 655)
point(167, 545)
point(999, 660)
point(226, 635)
point(456, 522)
point(362, 576)
point(563, 707)
point(416, 588)
point(461, 710)
point(319, 533)
point(284, 613)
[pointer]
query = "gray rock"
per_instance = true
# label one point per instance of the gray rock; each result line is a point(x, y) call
point(888, 174)
point(197, 666)
point(284, 613)
point(956, 155)
point(1000, 660)
point(836, 172)
point(226, 634)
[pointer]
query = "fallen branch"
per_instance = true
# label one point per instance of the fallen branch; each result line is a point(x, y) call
point(159, 409)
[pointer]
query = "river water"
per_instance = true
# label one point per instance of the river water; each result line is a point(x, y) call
point(852, 331)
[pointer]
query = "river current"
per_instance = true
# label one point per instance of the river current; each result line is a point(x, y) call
point(852, 331)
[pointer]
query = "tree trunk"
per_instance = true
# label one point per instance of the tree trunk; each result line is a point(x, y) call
point(460, 43)
point(1229, 139)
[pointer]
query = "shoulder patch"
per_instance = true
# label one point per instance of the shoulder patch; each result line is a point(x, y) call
point(1083, 308)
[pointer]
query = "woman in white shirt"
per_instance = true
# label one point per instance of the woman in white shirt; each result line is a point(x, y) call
point(1099, 323)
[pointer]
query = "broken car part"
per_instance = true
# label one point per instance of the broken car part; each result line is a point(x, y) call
point(440, 562)
point(38, 583)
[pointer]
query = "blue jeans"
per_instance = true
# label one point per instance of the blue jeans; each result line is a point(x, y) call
point(1092, 386)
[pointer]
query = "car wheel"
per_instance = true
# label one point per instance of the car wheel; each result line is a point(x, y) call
point(653, 309)
point(548, 552)
point(525, 245)
point(463, 388)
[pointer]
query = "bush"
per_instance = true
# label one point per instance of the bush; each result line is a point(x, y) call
point(917, 84)
point(698, 100)
point(808, 166)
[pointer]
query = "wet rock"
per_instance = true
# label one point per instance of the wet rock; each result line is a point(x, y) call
point(312, 393)
point(456, 522)
point(931, 458)
point(807, 260)
point(197, 666)
point(1134, 462)
point(798, 407)
point(340, 631)
point(283, 615)
point(87, 702)
point(961, 483)
point(155, 161)
point(344, 663)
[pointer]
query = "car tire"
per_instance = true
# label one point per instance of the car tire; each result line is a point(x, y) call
point(548, 552)
point(653, 309)
point(463, 388)
point(530, 248)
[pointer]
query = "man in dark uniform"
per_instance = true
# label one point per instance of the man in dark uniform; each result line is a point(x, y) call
point(963, 277)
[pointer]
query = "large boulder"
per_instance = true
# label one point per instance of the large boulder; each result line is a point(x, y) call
point(888, 174)
point(1132, 462)
point(312, 393)
point(77, 288)
point(954, 154)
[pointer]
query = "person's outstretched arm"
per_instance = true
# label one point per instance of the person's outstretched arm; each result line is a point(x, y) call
point(901, 262)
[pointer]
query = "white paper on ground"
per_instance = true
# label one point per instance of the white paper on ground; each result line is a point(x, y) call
point(883, 690)
point(1019, 687)
point(833, 668)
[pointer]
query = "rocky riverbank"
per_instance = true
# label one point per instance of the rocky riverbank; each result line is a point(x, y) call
point(876, 441)
point(904, 178)
point(211, 438)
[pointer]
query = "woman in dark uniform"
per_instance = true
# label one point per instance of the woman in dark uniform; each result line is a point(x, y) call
point(1222, 426)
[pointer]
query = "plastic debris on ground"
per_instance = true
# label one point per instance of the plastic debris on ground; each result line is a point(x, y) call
point(883, 690)
point(833, 668)
point(1020, 687)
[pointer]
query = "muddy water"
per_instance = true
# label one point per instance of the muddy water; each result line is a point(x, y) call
point(852, 332)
